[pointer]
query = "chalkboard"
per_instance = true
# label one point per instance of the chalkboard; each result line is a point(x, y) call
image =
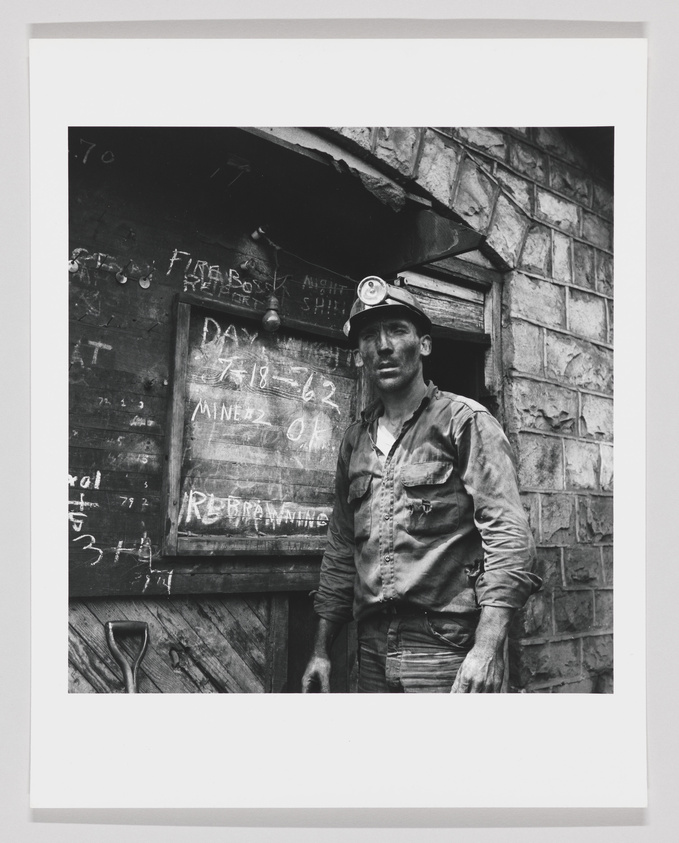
point(256, 423)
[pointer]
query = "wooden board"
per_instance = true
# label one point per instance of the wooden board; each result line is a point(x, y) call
point(128, 572)
point(196, 645)
point(451, 311)
point(126, 221)
point(256, 423)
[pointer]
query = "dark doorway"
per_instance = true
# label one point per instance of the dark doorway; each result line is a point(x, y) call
point(458, 366)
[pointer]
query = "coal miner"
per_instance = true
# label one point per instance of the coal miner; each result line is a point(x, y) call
point(429, 547)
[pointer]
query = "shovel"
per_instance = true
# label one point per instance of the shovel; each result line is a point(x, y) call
point(129, 667)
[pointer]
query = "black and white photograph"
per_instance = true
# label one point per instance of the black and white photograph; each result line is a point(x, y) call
point(340, 409)
point(323, 411)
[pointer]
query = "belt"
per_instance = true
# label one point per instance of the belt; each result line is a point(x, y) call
point(392, 607)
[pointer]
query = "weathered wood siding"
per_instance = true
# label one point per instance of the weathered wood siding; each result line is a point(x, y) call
point(153, 216)
point(209, 645)
point(206, 645)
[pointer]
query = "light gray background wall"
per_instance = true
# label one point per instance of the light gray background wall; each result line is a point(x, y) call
point(22, 20)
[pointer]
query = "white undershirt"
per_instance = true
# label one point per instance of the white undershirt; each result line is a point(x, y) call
point(385, 438)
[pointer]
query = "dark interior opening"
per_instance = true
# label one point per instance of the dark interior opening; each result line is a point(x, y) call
point(458, 366)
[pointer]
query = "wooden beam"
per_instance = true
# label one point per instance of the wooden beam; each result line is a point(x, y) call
point(424, 237)
point(211, 576)
point(176, 431)
point(277, 645)
point(255, 316)
point(445, 288)
point(239, 545)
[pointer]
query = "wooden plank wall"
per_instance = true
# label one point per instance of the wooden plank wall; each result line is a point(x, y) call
point(150, 220)
point(255, 643)
point(145, 228)
point(207, 645)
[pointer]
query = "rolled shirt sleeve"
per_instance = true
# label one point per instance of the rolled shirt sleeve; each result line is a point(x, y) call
point(489, 475)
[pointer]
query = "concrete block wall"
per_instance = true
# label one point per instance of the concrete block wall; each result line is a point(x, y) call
point(547, 216)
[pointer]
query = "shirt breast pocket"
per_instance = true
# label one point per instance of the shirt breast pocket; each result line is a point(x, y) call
point(359, 499)
point(430, 494)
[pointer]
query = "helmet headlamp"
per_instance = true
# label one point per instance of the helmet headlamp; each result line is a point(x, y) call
point(372, 290)
point(373, 294)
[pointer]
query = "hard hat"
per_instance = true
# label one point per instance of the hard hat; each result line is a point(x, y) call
point(374, 295)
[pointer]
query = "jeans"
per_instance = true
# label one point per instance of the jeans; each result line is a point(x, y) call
point(412, 653)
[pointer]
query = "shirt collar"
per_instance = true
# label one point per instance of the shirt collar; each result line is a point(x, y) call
point(376, 409)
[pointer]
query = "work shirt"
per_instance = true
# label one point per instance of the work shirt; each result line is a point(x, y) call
point(437, 524)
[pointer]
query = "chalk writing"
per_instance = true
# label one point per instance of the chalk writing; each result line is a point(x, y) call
point(123, 403)
point(88, 300)
point(214, 336)
point(326, 399)
point(123, 268)
point(229, 356)
point(140, 421)
point(201, 276)
point(77, 520)
point(176, 259)
point(321, 300)
point(237, 514)
point(263, 416)
point(324, 354)
point(82, 504)
point(106, 157)
point(327, 285)
point(77, 353)
point(237, 370)
point(97, 347)
point(227, 413)
point(128, 502)
point(325, 305)
point(143, 557)
point(120, 549)
point(319, 435)
point(159, 577)
point(86, 481)
point(91, 546)
point(77, 511)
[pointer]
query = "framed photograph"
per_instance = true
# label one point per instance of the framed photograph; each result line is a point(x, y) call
point(202, 372)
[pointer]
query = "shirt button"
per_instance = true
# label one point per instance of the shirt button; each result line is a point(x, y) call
point(387, 516)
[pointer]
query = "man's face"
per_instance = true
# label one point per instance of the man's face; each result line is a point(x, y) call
point(392, 352)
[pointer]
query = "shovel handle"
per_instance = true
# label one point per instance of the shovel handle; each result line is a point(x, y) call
point(129, 669)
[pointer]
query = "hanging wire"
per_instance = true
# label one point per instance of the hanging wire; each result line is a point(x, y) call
point(290, 254)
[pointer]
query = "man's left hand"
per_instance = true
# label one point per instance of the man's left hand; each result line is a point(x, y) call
point(483, 669)
point(481, 672)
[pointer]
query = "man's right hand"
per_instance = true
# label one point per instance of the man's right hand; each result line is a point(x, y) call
point(316, 677)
